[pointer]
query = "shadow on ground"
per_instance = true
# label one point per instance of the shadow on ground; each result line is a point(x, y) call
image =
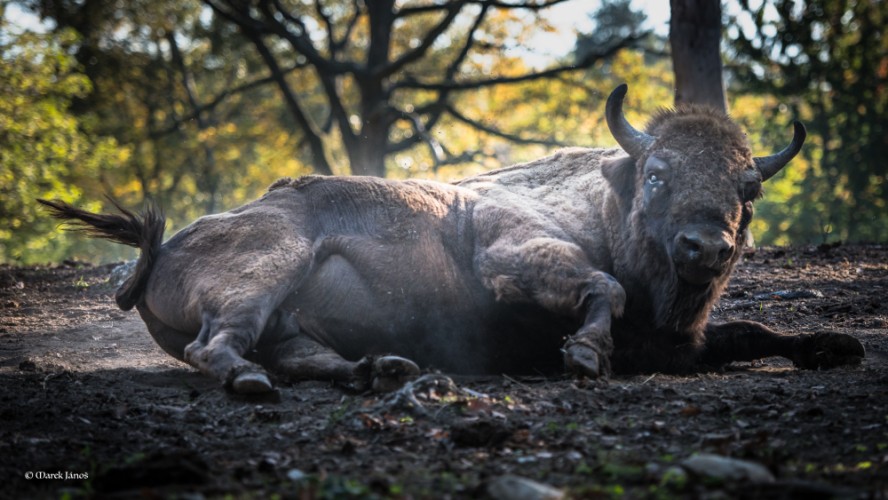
point(90, 406)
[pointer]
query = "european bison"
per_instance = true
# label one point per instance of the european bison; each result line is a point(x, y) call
point(596, 260)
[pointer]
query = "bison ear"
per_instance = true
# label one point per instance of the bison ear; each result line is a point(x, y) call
point(620, 174)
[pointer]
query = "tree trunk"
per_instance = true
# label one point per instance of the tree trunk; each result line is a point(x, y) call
point(694, 34)
point(370, 159)
point(370, 148)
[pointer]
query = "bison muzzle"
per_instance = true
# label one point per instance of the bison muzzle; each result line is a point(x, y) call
point(596, 260)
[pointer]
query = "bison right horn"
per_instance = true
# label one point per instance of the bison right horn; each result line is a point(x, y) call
point(632, 141)
point(770, 165)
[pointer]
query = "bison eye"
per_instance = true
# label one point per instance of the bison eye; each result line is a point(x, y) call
point(655, 172)
point(653, 179)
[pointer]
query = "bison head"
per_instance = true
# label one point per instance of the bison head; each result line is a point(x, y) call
point(689, 184)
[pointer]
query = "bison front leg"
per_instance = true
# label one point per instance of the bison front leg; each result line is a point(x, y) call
point(748, 340)
point(556, 275)
point(588, 352)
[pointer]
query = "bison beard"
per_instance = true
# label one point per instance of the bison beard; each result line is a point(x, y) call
point(613, 257)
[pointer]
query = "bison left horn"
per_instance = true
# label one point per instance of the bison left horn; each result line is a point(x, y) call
point(632, 141)
point(770, 165)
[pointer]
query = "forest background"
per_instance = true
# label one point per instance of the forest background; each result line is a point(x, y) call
point(200, 104)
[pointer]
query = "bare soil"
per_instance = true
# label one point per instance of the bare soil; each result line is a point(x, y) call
point(89, 406)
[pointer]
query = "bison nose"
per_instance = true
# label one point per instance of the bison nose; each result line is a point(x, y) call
point(702, 248)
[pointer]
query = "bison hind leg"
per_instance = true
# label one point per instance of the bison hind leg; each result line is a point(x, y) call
point(302, 358)
point(390, 373)
point(223, 342)
point(249, 381)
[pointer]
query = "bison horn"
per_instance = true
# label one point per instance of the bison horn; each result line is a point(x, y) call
point(632, 141)
point(770, 165)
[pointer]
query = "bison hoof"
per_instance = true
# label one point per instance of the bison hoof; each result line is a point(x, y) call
point(829, 350)
point(584, 361)
point(251, 383)
point(390, 373)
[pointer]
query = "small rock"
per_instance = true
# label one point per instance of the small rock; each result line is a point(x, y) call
point(727, 469)
point(573, 456)
point(28, 366)
point(510, 487)
point(296, 475)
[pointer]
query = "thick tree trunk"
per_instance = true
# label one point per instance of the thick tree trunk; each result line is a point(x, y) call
point(368, 150)
point(694, 35)
point(370, 160)
point(367, 154)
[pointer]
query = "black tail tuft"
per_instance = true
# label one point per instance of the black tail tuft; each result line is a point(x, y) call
point(143, 231)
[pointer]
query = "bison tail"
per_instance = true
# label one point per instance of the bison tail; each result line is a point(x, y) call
point(143, 231)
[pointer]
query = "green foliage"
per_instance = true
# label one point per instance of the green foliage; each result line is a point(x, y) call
point(826, 63)
point(81, 284)
point(45, 151)
point(172, 102)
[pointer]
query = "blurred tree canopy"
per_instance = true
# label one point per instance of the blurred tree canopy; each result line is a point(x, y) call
point(45, 150)
point(826, 63)
point(200, 104)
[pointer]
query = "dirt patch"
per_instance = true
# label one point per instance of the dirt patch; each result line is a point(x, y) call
point(90, 406)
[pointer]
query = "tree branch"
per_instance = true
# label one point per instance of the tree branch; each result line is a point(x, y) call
point(440, 154)
point(212, 104)
point(187, 82)
point(465, 156)
point(436, 109)
point(316, 145)
point(235, 17)
point(208, 181)
point(523, 5)
point(300, 41)
point(327, 69)
point(435, 147)
point(352, 22)
point(328, 27)
point(470, 42)
point(421, 49)
point(492, 131)
point(424, 9)
point(586, 62)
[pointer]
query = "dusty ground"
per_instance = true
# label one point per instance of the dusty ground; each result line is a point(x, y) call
point(87, 396)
